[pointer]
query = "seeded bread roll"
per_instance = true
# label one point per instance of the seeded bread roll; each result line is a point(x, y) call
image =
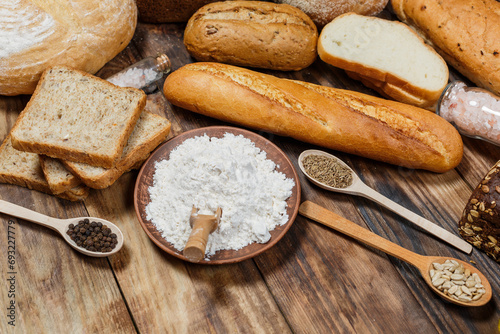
point(480, 222)
point(324, 11)
point(252, 33)
point(465, 33)
point(342, 120)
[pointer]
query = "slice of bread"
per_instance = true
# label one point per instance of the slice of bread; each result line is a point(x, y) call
point(76, 116)
point(24, 169)
point(58, 177)
point(148, 133)
point(388, 54)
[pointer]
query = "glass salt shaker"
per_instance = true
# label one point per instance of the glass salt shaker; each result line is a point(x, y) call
point(144, 74)
point(473, 111)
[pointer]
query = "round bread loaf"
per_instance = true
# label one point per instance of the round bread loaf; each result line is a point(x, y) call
point(36, 34)
point(252, 33)
point(324, 11)
point(480, 222)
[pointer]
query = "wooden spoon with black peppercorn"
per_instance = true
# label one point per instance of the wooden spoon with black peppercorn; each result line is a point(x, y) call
point(351, 184)
point(101, 236)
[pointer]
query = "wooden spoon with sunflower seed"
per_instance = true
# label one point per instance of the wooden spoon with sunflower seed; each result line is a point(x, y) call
point(435, 270)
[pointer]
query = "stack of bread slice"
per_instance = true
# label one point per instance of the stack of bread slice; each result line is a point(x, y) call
point(79, 132)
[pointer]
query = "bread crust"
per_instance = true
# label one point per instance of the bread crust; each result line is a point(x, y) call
point(386, 83)
point(464, 32)
point(85, 34)
point(337, 119)
point(252, 33)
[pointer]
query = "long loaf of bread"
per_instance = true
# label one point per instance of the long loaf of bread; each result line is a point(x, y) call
point(337, 119)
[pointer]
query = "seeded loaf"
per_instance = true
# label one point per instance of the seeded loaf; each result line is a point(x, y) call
point(324, 11)
point(252, 33)
point(465, 33)
point(342, 120)
point(24, 169)
point(37, 34)
point(480, 222)
point(76, 116)
point(148, 133)
point(57, 176)
point(387, 55)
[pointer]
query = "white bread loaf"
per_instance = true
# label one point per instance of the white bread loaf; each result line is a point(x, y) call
point(337, 119)
point(465, 32)
point(324, 11)
point(37, 34)
point(386, 55)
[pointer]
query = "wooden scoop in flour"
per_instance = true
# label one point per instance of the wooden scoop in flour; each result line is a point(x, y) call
point(202, 226)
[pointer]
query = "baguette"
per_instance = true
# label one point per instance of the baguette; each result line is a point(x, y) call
point(465, 33)
point(79, 117)
point(337, 119)
point(388, 56)
point(149, 132)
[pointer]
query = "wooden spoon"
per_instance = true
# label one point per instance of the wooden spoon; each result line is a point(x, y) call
point(359, 188)
point(202, 226)
point(423, 263)
point(61, 226)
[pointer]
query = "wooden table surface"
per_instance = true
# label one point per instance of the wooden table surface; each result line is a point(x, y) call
point(314, 280)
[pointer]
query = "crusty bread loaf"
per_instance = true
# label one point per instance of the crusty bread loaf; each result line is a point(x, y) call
point(57, 176)
point(465, 33)
point(37, 34)
point(324, 11)
point(148, 133)
point(337, 119)
point(386, 55)
point(163, 11)
point(252, 33)
point(480, 222)
point(24, 169)
point(76, 116)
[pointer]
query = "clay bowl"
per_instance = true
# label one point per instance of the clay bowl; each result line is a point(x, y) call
point(145, 180)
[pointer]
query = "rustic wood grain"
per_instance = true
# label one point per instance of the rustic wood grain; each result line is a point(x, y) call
point(314, 280)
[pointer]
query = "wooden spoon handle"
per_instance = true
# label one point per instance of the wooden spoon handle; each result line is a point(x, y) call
point(421, 222)
point(196, 245)
point(32, 216)
point(321, 215)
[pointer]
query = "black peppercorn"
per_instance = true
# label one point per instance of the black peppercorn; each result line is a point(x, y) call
point(93, 236)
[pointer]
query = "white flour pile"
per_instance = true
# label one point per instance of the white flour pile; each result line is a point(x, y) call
point(229, 172)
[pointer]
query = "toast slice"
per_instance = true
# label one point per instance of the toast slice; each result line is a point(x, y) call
point(76, 116)
point(57, 176)
point(24, 169)
point(388, 54)
point(149, 132)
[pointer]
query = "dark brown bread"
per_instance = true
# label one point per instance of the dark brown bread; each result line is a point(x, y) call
point(252, 33)
point(337, 119)
point(480, 222)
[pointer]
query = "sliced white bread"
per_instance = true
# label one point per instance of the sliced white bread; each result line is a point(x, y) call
point(76, 116)
point(58, 177)
point(149, 132)
point(387, 54)
point(24, 169)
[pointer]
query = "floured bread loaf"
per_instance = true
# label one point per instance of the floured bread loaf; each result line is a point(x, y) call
point(386, 55)
point(36, 34)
